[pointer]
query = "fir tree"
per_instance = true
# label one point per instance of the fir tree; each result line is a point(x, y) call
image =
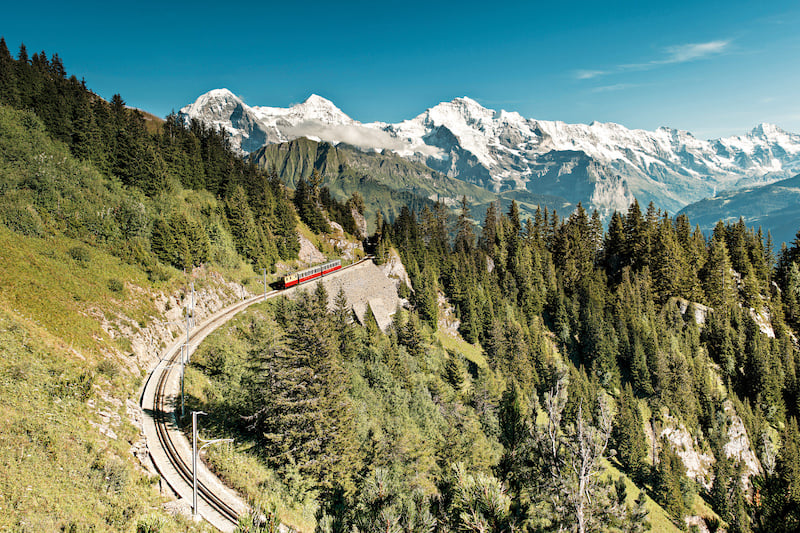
point(628, 435)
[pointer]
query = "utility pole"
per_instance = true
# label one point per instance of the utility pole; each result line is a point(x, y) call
point(194, 460)
point(195, 451)
point(185, 347)
point(265, 283)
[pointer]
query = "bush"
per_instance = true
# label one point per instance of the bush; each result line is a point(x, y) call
point(157, 273)
point(152, 523)
point(115, 285)
point(108, 368)
point(24, 221)
point(80, 254)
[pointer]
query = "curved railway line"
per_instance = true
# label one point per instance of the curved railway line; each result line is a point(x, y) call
point(163, 409)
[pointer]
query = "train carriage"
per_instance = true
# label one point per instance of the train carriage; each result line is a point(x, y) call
point(296, 278)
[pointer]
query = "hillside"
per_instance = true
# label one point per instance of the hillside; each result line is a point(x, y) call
point(772, 207)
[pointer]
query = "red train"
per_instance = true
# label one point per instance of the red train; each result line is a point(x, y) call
point(296, 278)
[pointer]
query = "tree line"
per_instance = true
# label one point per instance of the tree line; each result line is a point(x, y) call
point(146, 166)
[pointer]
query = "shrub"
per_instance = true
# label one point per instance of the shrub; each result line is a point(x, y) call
point(108, 368)
point(25, 221)
point(151, 523)
point(157, 273)
point(115, 285)
point(80, 254)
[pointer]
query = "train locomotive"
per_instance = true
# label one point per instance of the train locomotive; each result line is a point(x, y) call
point(296, 278)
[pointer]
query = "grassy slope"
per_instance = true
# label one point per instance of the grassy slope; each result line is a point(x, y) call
point(58, 368)
point(65, 430)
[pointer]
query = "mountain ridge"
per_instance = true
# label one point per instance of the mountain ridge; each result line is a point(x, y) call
point(773, 206)
point(603, 165)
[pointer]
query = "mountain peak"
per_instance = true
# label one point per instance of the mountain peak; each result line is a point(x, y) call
point(213, 105)
point(317, 100)
point(220, 93)
point(765, 130)
point(466, 100)
point(317, 108)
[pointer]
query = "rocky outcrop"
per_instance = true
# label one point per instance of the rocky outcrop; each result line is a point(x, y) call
point(309, 253)
point(698, 464)
point(394, 269)
point(147, 341)
point(347, 249)
point(699, 310)
point(738, 446)
point(361, 223)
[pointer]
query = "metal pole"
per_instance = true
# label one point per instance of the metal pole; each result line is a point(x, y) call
point(265, 283)
point(194, 460)
point(194, 463)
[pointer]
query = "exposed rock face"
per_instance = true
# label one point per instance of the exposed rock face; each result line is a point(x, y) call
point(698, 464)
point(448, 323)
point(738, 446)
point(764, 321)
point(147, 342)
point(347, 249)
point(394, 269)
point(361, 223)
point(308, 252)
point(700, 311)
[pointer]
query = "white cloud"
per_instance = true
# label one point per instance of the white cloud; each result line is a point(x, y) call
point(356, 135)
point(690, 52)
point(615, 87)
point(589, 74)
point(681, 53)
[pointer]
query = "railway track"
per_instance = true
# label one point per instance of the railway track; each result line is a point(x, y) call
point(164, 416)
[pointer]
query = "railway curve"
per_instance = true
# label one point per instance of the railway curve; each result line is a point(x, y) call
point(169, 449)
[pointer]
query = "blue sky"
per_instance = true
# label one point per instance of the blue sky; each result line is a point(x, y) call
point(713, 68)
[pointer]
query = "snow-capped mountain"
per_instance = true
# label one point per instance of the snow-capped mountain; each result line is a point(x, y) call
point(251, 128)
point(602, 164)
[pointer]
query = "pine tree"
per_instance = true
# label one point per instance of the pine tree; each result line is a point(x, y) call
point(628, 435)
point(718, 281)
point(307, 419)
point(162, 242)
point(465, 235)
point(8, 77)
point(243, 225)
point(614, 248)
point(667, 484)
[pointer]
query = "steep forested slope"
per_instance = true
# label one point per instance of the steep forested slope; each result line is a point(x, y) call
point(385, 180)
point(646, 349)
